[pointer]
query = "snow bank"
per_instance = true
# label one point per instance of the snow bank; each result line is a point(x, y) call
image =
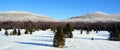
point(42, 40)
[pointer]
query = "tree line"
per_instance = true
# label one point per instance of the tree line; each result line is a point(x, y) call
point(62, 30)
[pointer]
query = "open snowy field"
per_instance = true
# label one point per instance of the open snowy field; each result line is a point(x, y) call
point(42, 40)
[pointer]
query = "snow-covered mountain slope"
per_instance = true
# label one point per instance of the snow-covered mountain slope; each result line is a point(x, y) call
point(42, 40)
point(96, 17)
point(23, 16)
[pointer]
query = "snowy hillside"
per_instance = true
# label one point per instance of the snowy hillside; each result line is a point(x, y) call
point(42, 40)
point(23, 16)
point(96, 17)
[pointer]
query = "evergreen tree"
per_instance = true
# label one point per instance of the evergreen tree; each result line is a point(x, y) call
point(68, 31)
point(19, 33)
point(14, 32)
point(96, 31)
point(81, 31)
point(26, 31)
point(0, 29)
point(88, 31)
point(115, 34)
point(59, 40)
point(31, 30)
point(11, 33)
point(6, 32)
point(53, 29)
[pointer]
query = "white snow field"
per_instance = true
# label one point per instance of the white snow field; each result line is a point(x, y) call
point(42, 40)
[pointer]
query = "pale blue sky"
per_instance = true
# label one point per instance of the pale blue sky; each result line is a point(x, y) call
point(61, 9)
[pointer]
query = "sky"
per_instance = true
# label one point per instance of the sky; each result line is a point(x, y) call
point(61, 9)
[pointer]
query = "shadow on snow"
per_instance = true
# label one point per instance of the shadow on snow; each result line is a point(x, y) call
point(45, 40)
point(37, 44)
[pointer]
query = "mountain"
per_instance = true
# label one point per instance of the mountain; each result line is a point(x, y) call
point(23, 16)
point(96, 17)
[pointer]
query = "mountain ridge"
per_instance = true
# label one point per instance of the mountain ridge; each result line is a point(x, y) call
point(95, 17)
point(23, 16)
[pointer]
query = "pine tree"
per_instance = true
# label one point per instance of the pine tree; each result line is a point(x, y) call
point(115, 34)
point(81, 31)
point(26, 31)
point(96, 31)
point(68, 31)
point(88, 31)
point(14, 32)
point(53, 29)
point(0, 29)
point(19, 33)
point(59, 40)
point(6, 32)
point(31, 30)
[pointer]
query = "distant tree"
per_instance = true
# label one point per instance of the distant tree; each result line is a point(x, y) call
point(0, 29)
point(31, 30)
point(14, 32)
point(115, 34)
point(6, 32)
point(59, 40)
point(96, 31)
point(11, 33)
point(26, 31)
point(53, 29)
point(81, 31)
point(68, 31)
point(19, 33)
point(88, 31)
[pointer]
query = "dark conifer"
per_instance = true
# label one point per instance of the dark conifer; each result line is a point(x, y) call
point(14, 32)
point(81, 31)
point(19, 33)
point(88, 31)
point(59, 40)
point(68, 31)
point(115, 34)
point(26, 31)
point(0, 29)
point(6, 32)
point(31, 30)
point(53, 29)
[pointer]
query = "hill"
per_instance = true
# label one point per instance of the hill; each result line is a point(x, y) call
point(96, 17)
point(23, 16)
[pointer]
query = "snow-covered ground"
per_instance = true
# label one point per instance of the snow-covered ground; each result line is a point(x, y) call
point(42, 40)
